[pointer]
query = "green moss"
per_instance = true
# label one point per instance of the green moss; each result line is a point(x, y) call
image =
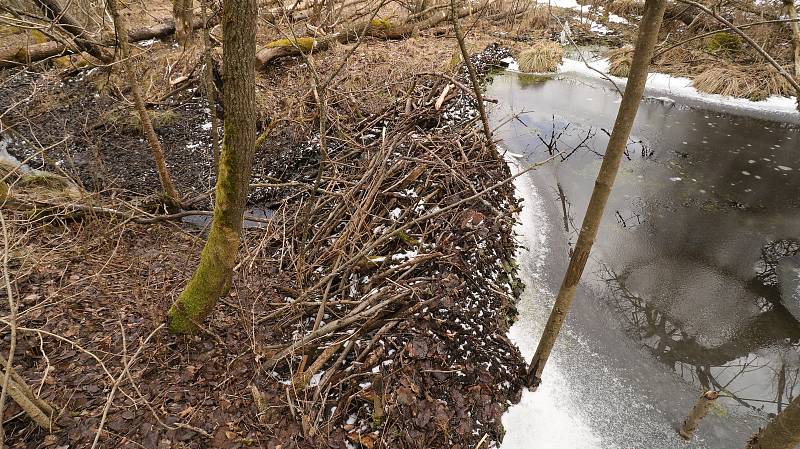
point(213, 276)
point(454, 61)
point(38, 37)
point(724, 42)
point(44, 180)
point(305, 44)
point(8, 30)
point(211, 281)
point(382, 24)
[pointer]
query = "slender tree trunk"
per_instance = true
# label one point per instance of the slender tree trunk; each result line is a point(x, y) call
point(791, 11)
point(783, 432)
point(182, 12)
point(473, 76)
point(212, 279)
point(211, 96)
point(648, 35)
point(138, 101)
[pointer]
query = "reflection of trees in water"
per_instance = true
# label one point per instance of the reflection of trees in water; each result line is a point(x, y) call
point(771, 254)
point(568, 139)
point(721, 367)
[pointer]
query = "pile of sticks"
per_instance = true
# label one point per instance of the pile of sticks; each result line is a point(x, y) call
point(409, 216)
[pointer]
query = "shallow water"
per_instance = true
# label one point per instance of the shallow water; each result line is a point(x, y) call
point(692, 283)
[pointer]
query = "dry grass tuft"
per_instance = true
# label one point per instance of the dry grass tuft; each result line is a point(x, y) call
point(625, 8)
point(535, 17)
point(542, 56)
point(619, 61)
point(754, 83)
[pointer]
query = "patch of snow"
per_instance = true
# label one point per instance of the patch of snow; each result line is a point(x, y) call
point(512, 63)
point(599, 28)
point(147, 43)
point(545, 419)
point(681, 89)
point(613, 18)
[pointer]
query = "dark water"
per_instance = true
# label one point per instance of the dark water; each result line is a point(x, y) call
point(693, 280)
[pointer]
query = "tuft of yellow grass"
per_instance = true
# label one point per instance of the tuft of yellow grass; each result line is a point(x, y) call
point(542, 56)
point(619, 61)
point(625, 8)
point(754, 83)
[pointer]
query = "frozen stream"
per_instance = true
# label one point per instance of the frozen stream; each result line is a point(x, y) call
point(693, 281)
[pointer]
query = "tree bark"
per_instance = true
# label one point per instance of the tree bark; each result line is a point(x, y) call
point(182, 13)
point(645, 43)
point(211, 89)
point(212, 279)
point(144, 118)
point(783, 432)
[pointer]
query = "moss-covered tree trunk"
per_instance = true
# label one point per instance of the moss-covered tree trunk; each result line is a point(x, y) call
point(645, 43)
point(783, 432)
point(144, 119)
point(212, 279)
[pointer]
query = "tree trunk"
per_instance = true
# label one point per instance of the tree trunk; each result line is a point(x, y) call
point(182, 13)
point(283, 48)
point(212, 279)
point(791, 11)
point(144, 118)
point(783, 432)
point(648, 35)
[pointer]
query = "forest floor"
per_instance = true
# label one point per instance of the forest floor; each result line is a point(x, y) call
point(432, 367)
point(92, 288)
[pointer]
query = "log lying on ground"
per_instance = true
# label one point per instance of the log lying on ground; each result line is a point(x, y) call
point(34, 53)
point(53, 10)
point(377, 28)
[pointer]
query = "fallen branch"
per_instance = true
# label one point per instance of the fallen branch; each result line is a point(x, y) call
point(39, 52)
point(304, 45)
